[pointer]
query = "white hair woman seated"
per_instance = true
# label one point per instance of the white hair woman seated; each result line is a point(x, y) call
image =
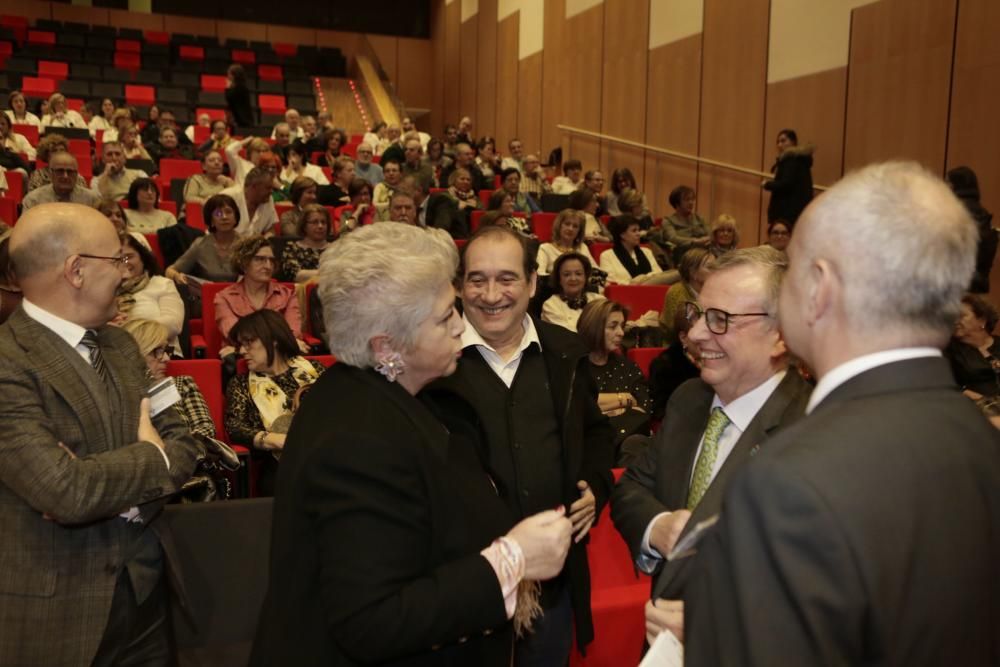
point(390, 542)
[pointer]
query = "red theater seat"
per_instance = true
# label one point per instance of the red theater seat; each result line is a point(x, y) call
point(194, 216)
point(18, 24)
point(171, 168)
point(213, 83)
point(541, 225)
point(157, 37)
point(29, 132)
point(37, 87)
point(285, 50)
point(214, 114)
point(53, 70)
point(129, 45)
point(8, 210)
point(15, 185)
point(191, 53)
point(269, 73)
point(127, 60)
point(41, 37)
point(244, 57)
point(643, 357)
point(638, 298)
point(272, 104)
point(140, 96)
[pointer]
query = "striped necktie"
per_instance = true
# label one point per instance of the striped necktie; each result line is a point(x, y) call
point(717, 423)
point(96, 358)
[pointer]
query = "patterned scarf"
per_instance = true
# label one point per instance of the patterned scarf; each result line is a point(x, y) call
point(270, 399)
point(127, 291)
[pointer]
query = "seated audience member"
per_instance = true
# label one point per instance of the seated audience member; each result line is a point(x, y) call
point(674, 366)
point(151, 130)
point(361, 212)
point(260, 404)
point(66, 185)
point(567, 236)
point(300, 259)
point(684, 228)
point(301, 193)
point(585, 201)
point(571, 180)
point(14, 142)
point(204, 120)
point(623, 179)
point(168, 119)
point(253, 258)
point(134, 150)
point(623, 392)
point(510, 182)
point(627, 263)
point(143, 214)
point(169, 147)
point(632, 202)
point(116, 179)
point(450, 139)
point(503, 202)
point(973, 351)
point(333, 143)
point(514, 160)
point(393, 175)
point(413, 164)
point(18, 110)
point(533, 181)
point(199, 187)
point(282, 136)
point(779, 235)
point(403, 206)
point(377, 138)
point(48, 146)
point(569, 279)
point(10, 292)
point(309, 129)
point(965, 184)
point(465, 158)
point(145, 293)
point(209, 258)
point(394, 150)
point(693, 269)
point(120, 119)
point(488, 160)
point(365, 168)
point(724, 236)
point(460, 191)
point(465, 130)
point(256, 148)
point(594, 181)
point(256, 207)
point(114, 212)
point(218, 140)
point(438, 162)
point(271, 163)
point(60, 115)
point(408, 126)
point(335, 193)
point(298, 166)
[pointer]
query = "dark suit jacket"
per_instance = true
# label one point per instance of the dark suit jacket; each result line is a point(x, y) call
point(866, 534)
point(380, 515)
point(57, 576)
point(587, 441)
point(660, 480)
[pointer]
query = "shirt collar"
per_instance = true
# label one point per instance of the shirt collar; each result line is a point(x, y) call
point(742, 410)
point(849, 369)
point(70, 332)
point(471, 337)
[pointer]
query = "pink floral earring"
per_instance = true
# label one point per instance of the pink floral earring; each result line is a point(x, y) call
point(391, 365)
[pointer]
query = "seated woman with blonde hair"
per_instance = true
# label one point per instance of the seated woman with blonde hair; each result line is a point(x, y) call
point(60, 115)
point(567, 236)
point(724, 236)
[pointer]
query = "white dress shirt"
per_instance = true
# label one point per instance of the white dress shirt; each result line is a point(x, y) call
point(505, 370)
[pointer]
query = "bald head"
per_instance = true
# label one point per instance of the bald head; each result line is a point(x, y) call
point(47, 234)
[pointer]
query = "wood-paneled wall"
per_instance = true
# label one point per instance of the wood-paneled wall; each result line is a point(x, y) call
point(921, 83)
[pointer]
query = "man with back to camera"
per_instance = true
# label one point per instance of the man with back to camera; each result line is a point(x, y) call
point(867, 533)
point(549, 443)
point(714, 425)
point(82, 465)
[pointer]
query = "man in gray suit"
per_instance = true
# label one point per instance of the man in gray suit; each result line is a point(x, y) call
point(82, 464)
point(868, 533)
point(713, 424)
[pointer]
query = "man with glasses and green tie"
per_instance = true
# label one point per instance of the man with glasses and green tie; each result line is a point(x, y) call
point(64, 187)
point(85, 461)
point(713, 424)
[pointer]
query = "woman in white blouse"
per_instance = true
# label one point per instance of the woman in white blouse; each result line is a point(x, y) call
point(145, 294)
point(567, 236)
point(14, 141)
point(143, 214)
point(569, 279)
point(298, 166)
point(627, 263)
point(18, 111)
point(60, 115)
point(103, 120)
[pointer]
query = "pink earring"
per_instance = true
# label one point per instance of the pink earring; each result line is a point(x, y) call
point(390, 365)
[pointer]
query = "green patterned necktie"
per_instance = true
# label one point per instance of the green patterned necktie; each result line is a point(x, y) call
point(717, 423)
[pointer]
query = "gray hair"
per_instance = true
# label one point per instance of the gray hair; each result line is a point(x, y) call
point(903, 245)
point(382, 279)
point(773, 263)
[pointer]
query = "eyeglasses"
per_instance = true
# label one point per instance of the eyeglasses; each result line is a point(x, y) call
point(63, 171)
point(264, 259)
point(163, 350)
point(117, 260)
point(716, 320)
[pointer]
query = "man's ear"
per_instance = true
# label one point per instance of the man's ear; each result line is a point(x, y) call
point(73, 271)
point(533, 283)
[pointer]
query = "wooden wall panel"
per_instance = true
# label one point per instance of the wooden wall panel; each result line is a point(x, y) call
point(734, 75)
point(241, 30)
point(485, 119)
point(452, 65)
point(438, 30)
point(507, 97)
point(899, 82)
point(673, 108)
point(29, 8)
point(349, 43)
point(468, 69)
point(386, 50)
point(529, 105)
point(416, 67)
point(189, 25)
point(135, 20)
point(583, 55)
point(554, 81)
point(623, 93)
point(291, 35)
point(80, 14)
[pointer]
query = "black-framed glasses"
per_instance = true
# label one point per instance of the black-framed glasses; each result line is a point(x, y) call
point(163, 350)
point(117, 260)
point(716, 319)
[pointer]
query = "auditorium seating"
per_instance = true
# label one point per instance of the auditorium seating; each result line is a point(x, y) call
point(638, 299)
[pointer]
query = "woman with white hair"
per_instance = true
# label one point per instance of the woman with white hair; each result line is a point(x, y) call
point(60, 115)
point(390, 542)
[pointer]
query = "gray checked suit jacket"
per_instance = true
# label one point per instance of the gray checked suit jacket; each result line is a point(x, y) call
point(63, 544)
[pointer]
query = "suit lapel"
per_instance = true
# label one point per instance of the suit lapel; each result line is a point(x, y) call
point(70, 376)
point(677, 457)
point(899, 376)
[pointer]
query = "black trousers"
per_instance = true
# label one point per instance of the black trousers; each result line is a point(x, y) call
point(137, 635)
